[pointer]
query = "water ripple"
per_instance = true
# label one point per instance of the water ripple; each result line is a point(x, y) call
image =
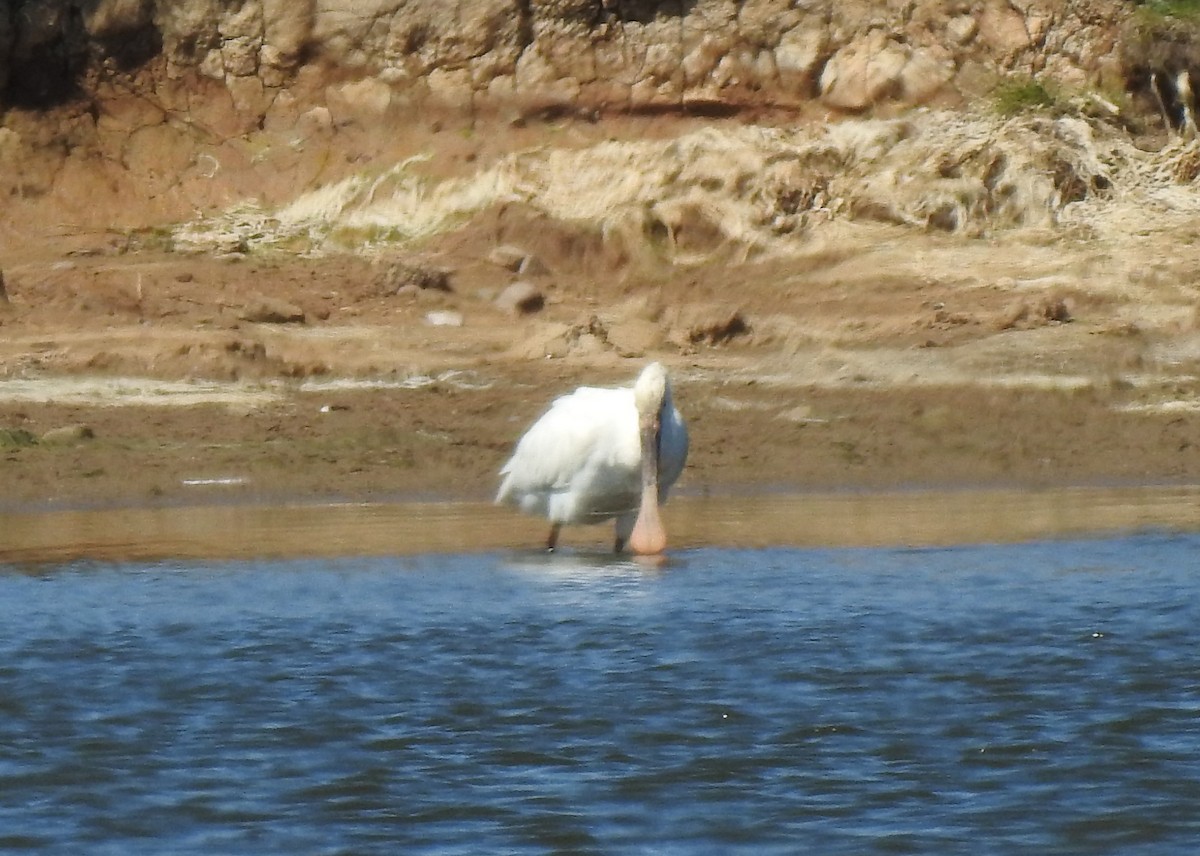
point(1036, 698)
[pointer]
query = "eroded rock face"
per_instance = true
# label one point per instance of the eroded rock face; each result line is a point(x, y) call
point(47, 46)
point(6, 38)
point(584, 55)
point(167, 107)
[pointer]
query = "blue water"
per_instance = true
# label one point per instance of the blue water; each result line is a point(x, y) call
point(1034, 699)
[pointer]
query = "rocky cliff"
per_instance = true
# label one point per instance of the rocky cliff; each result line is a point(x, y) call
point(577, 55)
point(132, 113)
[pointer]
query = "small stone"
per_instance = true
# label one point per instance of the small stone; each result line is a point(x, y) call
point(271, 310)
point(398, 276)
point(962, 29)
point(708, 325)
point(517, 260)
point(508, 257)
point(67, 435)
point(521, 298)
point(721, 330)
point(1026, 314)
point(444, 318)
point(1056, 309)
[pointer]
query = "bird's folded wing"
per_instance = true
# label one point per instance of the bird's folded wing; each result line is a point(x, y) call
point(588, 428)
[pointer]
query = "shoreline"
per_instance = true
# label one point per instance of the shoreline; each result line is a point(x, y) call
point(443, 443)
point(895, 519)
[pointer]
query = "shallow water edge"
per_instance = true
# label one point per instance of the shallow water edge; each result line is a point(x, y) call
point(908, 518)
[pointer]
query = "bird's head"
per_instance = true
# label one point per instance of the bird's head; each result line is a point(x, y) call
point(649, 390)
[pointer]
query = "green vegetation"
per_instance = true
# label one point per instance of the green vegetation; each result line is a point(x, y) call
point(16, 438)
point(1018, 95)
point(150, 238)
point(1180, 10)
point(1023, 95)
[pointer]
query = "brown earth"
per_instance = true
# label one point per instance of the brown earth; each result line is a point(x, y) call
point(878, 357)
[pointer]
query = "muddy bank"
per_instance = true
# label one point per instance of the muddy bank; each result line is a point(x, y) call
point(442, 440)
point(881, 358)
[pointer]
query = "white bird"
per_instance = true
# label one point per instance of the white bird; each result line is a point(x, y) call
point(599, 454)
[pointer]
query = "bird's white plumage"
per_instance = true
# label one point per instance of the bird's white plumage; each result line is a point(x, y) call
point(581, 461)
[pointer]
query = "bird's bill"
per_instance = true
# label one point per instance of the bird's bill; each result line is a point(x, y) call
point(649, 538)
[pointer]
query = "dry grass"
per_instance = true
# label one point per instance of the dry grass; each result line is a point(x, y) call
point(759, 189)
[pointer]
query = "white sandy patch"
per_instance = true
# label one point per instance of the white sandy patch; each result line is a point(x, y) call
point(131, 392)
point(143, 392)
point(1166, 406)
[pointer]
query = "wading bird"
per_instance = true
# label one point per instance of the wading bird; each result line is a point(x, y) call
point(599, 454)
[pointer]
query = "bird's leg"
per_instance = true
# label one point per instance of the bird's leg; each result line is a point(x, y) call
point(552, 538)
point(618, 544)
